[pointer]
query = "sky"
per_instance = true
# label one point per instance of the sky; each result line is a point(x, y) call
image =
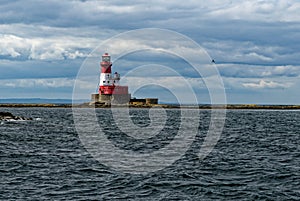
point(255, 45)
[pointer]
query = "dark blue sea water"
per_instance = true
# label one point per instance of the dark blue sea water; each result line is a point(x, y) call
point(256, 158)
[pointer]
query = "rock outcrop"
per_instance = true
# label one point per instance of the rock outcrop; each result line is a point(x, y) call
point(7, 116)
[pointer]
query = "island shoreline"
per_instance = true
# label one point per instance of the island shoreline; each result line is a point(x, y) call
point(88, 105)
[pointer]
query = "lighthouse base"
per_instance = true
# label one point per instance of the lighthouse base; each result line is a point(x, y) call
point(112, 99)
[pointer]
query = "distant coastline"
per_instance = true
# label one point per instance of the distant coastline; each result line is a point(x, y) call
point(87, 105)
point(40, 101)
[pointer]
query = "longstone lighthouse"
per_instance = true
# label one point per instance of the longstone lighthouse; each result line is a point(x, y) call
point(110, 91)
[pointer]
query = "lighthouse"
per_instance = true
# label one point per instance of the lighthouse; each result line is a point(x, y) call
point(109, 90)
point(109, 84)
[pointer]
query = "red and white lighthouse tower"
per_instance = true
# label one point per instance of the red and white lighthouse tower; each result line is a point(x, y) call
point(109, 84)
point(110, 91)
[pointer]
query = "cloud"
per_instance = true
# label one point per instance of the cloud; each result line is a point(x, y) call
point(37, 83)
point(252, 52)
point(135, 13)
point(14, 47)
point(262, 84)
point(239, 31)
point(285, 10)
point(258, 71)
point(250, 40)
point(29, 69)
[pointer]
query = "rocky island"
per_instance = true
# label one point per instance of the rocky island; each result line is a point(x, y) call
point(149, 105)
point(7, 116)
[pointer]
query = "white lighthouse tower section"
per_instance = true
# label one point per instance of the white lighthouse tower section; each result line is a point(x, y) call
point(116, 79)
point(106, 79)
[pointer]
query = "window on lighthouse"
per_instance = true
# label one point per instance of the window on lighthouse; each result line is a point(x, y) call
point(105, 58)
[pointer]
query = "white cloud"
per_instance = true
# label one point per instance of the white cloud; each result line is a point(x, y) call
point(260, 10)
point(290, 71)
point(262, 84)
point(12, 45)
point(45, 48)
point(171, 82)
point(37, 83)
point(243, 51)
point(258, 71)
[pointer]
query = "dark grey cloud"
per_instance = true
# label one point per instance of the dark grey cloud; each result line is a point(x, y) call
point(30, 12)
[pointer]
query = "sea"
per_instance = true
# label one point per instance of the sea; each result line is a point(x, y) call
point(255, 157)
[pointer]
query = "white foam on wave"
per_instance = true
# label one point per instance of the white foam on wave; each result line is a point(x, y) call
point(14, 120)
